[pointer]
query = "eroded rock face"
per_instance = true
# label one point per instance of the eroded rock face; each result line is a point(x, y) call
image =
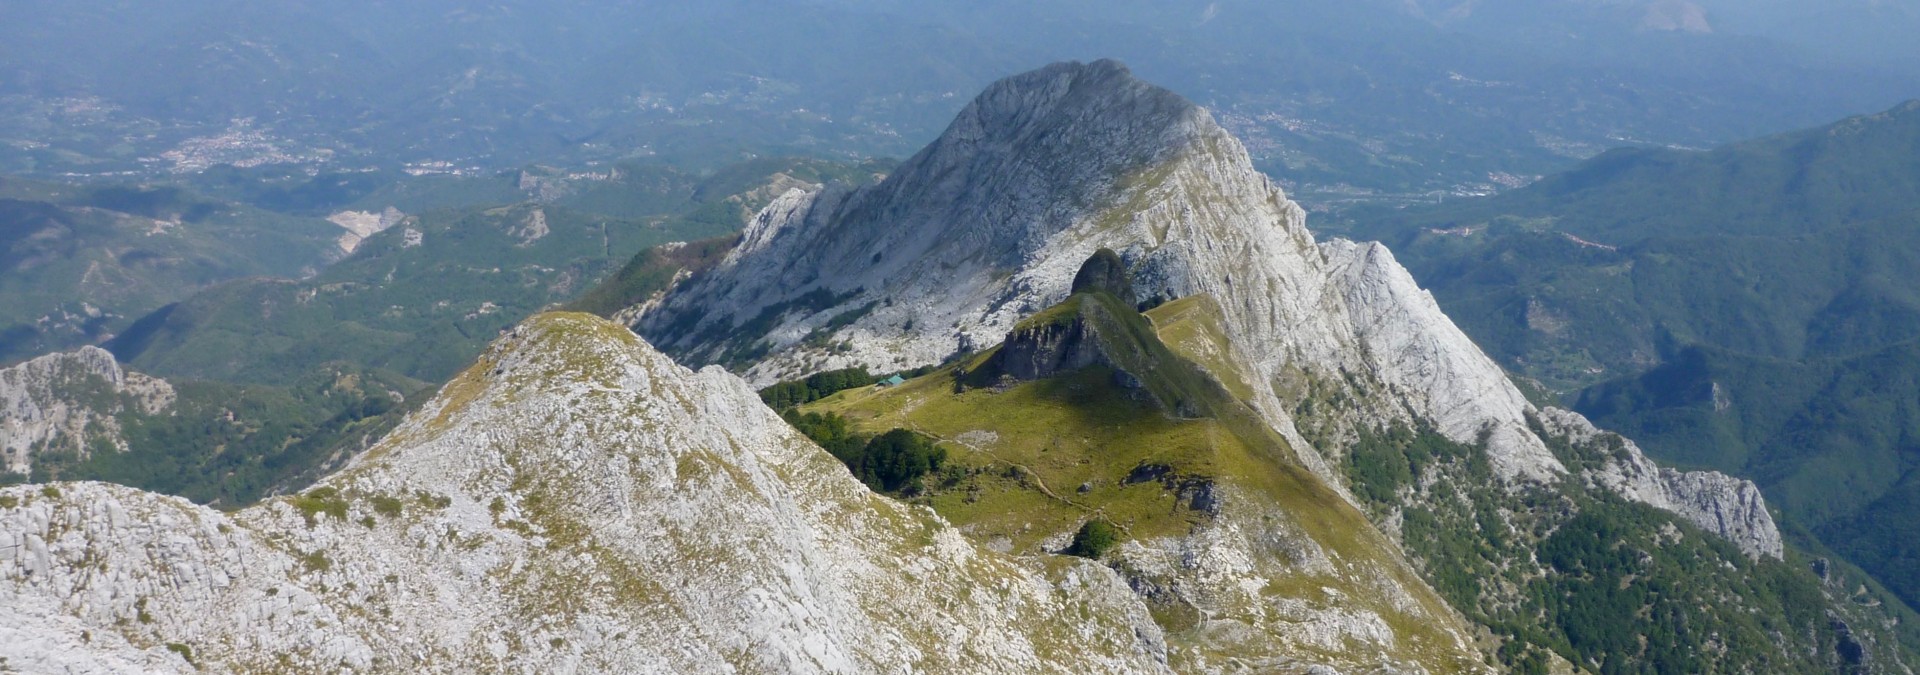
point(1066, 338)
point(1042, 351)
point(576, 501)
point(1718, 503)
point(950, 244)
point(69, 400)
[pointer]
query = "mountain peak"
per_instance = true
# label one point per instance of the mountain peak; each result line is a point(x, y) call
point(990, 224)
point(1082, 118)
point(1037, 100)
point(1070, 147)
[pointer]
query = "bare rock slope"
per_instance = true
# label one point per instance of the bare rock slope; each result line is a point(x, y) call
point(573, 502)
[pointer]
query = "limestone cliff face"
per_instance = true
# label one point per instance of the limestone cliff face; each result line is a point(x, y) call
point(69, 400)
point(574, 502)
point(990, 223)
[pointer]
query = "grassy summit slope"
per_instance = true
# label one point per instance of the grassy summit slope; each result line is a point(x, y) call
point(1031, 461)
point(1142, 435)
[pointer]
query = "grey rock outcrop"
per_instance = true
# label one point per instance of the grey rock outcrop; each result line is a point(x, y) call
point(574, 502)
point(1078, 333)
point(362, 224)
point(68, 401)
point(1104, 271)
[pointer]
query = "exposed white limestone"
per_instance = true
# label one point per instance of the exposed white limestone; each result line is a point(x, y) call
point(531, 228)
point(1347, 607)
point(1430, 363)
point(69, 400)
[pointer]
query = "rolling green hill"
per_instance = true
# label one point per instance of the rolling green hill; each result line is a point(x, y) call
point(79, 262)
point(419, 298)
point(1835, 441)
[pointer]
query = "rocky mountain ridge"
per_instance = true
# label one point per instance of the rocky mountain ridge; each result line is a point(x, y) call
point(575, 501)
point(990, 223)
point(1718, 503)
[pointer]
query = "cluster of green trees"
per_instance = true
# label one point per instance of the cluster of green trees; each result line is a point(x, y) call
point(1382, 462)
point(893, 462)
point(1094, 539)
point(815, 387)
point(830, 431)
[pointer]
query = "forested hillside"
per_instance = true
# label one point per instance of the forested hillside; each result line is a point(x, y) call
point(1750, 308)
